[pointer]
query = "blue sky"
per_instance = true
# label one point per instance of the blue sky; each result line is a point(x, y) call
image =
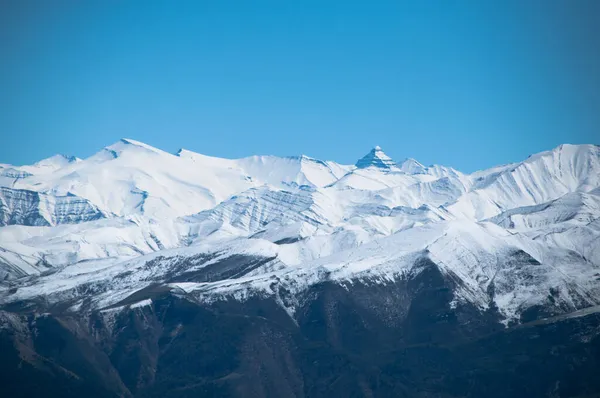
point(468, 84)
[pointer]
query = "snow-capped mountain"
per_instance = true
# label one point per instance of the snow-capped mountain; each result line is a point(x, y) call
point(130, 202)
point(115, 251)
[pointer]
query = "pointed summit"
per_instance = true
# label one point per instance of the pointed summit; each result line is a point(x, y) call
point(375, 158)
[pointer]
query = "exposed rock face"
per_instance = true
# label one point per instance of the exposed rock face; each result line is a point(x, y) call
point(401, 339)
point(10, 172)
point(23, 207)
point(375, 158)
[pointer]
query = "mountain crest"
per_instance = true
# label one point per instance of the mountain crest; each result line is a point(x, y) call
point(59, 158)
point(411, 166)
point(375, 158)
point(126, 145)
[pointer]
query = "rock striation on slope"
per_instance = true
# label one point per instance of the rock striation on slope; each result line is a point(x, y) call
point(131, 200)
point(30, 208)
point(136, 272)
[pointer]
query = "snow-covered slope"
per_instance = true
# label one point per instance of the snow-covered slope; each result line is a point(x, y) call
point(130, 177)
point(540, 178)
point(512, 236)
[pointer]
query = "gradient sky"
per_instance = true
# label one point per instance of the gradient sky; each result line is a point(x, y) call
point(468, 84)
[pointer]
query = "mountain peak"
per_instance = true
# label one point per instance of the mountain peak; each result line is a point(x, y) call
point(128, 141)
point(375, 158)
point(51, 164)
point(126, 145)
point(412, 166)
point(58, 159)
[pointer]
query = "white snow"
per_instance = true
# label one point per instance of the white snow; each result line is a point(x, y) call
point(143, 303)
point(526, 227)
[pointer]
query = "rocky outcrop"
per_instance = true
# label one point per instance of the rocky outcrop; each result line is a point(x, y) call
point(24, 207)
point(375, 158)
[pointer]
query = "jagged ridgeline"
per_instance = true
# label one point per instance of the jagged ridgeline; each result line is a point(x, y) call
point(140, 273)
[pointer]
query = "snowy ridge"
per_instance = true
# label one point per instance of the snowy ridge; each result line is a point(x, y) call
point(133, 215)
point(542, 177)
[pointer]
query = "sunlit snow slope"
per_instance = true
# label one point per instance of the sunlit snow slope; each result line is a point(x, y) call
point(513, 235)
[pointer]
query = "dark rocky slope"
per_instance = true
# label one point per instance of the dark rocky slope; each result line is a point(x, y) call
point(402, 339)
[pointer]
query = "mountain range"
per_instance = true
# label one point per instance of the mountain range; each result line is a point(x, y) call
point(138, 272)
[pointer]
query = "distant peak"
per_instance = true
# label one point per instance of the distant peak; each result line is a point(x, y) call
point(568, 151)
point(129, 141)
point(411, 166)
point(375, 158)
point(67, 158)
point(127, 144)
point(57, 160)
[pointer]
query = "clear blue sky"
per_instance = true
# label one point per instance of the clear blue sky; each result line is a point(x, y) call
point(466, 83)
